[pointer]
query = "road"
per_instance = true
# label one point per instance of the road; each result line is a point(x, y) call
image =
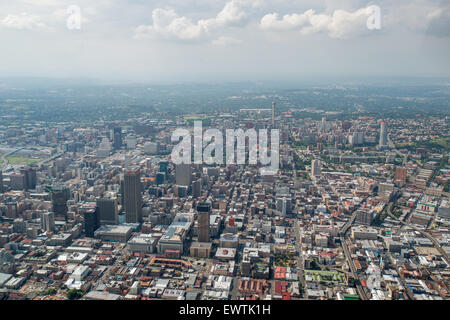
point(343, 232)
point(6, 155)
point(300, 259)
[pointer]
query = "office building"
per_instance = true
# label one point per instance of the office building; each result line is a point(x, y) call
point(29, 177)
point(364, 216)
point(315, 168)
point(1, 182)
point(183, 174)
point(401, 175)
point(90, 222)
point(163, 166)
point(117, 138)
point(107, 210)
point(160, 178)
point(60, 195)
point(132, 195)
point(48, 221)
point(383, 134)
point(17, 181)
point(203, 211)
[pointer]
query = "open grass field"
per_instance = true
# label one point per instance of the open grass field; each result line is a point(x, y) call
point(21, 160)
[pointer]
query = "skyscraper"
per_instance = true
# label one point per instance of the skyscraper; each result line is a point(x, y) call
point(117, 138)
point(160, 178)
point(163, 165)
point(273, 113)
point(60, 195)
point(183, 174)
point(107, 213)
point(90, 222)
point(132, 195)
point(203, 210)
point(383, 134)
point(1, 182)
point(315, 168)
point(47, 221)
point(29, 177)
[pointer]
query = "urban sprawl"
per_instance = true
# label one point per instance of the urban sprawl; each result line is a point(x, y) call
point(358, 210)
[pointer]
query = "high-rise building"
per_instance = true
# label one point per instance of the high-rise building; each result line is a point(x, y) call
point(197, 188)
point(183, 174)
point(315, 168)
point(364, 216)
point(132, 195)
point(356, 138)
point(29, 177)
point(163, 166)
point(107, 212)
point(1, 182)
point(48, 221)
point(401, 175)
point(17, 181)
point(383, 134)
point(117, 138)
point(273, 113)
point(60, 195)
point(90, 222)
point(160, 178)
point(203, 211)
point(284, 205)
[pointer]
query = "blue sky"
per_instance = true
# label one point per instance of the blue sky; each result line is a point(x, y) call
point(171, 40)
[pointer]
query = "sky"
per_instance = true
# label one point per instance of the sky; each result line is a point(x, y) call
point(229, 40)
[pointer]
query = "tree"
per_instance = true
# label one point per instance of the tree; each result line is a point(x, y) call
point(74, 294)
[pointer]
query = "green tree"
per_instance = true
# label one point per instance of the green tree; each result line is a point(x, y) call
point(74, 294)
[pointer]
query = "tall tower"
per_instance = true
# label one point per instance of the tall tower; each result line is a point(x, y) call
point(107, 210)
point(132, 195)
point(183, 174)
point(383, 134)
point(60, 195)
point(315, 168)
point(47, 221)
point(273, 113)
point(117, 138)
point(1, 182)
point(90, 222)
point(203, 210)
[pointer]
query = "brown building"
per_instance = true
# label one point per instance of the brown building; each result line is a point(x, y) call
point(203, 210)
point(401, 175)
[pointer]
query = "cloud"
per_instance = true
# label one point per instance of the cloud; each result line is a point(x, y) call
point(226, 41)
point(23, 21)
point(167, 24)
point(340, 24)
point(439, 22)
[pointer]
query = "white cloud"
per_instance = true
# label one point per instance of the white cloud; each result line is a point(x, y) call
point(339, 24)
point(167, 24)
point(23, 21)
point(226, 41)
